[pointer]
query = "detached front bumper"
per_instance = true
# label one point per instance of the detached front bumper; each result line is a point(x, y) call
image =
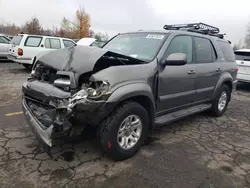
point(52, 122)
point(42, 133)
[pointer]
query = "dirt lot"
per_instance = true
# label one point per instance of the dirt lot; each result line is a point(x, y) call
point(199, 151)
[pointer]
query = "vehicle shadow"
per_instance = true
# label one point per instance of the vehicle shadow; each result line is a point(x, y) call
point(243, 87)
point(19, 70)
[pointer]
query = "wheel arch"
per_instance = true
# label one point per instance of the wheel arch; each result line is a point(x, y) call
point(225, 79)
point(138, 92)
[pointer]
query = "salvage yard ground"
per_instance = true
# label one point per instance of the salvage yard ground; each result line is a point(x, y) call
point(199, 151)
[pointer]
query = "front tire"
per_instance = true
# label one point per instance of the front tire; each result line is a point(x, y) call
point(220, 103)
point(123, 132)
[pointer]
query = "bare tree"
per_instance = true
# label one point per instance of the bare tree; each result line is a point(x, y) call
point(78, 28)
point(33, 26)
point(101, 37)
point(247, 36)
point(10, 29)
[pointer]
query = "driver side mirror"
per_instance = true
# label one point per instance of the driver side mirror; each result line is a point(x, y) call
point(175, 59)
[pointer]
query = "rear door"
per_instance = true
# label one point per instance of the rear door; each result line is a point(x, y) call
point(243, 61)
point(208, 68)
point(4, 45)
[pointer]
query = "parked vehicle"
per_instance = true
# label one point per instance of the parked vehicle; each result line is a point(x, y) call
point(136, 82)
point(25, 48)
point(4, 46)
point(87, 41)
point(243, 61)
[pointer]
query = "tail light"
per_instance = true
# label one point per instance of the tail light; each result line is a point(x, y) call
point(20, 51)
point(237, 68)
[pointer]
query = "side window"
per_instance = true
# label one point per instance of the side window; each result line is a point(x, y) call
point(47, 43)
point(204, 51)
point(227, 51)
point(4, 40)
point(52, 43)
point(181, 44)
point(68, 43)
point(33, 41)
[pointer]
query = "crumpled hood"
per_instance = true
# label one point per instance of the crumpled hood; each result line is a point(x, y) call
point(75, 59)
point(80, 59)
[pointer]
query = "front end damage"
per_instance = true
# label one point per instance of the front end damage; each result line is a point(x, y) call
point(62, 95)
point(52, 112)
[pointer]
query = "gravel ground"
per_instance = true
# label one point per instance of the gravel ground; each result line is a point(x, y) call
point(199, 151)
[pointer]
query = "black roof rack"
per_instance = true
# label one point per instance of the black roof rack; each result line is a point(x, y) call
point(197, 28)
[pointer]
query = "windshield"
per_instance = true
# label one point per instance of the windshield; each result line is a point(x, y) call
point(243, 56)
point(16, 40)
point(143, 46)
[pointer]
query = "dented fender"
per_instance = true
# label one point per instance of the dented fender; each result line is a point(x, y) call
point(132, 90)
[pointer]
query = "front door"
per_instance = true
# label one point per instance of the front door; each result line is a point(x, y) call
point(177, 83)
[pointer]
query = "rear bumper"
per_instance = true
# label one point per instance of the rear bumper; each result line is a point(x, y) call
point(243, 77)
point(19, 59)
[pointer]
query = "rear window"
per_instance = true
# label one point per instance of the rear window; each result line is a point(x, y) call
point(227, 51)
point(243, 56)
point(16, 39)
point(33, 41)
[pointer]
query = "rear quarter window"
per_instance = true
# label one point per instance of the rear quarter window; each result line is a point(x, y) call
point(227, 51)
point(68, 43)
point(33, 41)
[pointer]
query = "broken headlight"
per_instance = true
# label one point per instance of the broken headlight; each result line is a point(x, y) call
point(97, 90)
point(94, 91)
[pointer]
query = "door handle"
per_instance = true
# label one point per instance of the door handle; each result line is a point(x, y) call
point(191, 72)
point(218, 70)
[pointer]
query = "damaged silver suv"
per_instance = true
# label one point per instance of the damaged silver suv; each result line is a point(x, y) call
point(135, 82)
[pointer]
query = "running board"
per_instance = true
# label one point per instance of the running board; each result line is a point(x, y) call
point(168, 118)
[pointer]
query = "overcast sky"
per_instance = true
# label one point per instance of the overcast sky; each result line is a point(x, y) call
point(114, 16)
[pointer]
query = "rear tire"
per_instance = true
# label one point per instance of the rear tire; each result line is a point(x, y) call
point(220, 103)
point(119, 139)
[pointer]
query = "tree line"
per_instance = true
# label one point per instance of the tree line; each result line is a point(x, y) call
point(75, 29)
point(246, 42)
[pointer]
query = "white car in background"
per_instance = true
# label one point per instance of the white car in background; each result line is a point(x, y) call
point(25, 48)
point(243, 60)
point(86, 41)
point(4, 46)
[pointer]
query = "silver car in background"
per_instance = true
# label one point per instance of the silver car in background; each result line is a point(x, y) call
point(4, 46)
